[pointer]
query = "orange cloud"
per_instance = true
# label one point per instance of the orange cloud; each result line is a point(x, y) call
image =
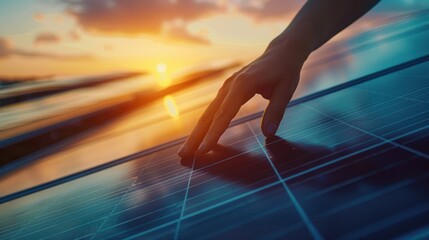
point(178, 31)
point(7, 50)
point(270, 9)
point(5, 47)
point(74, 35)
point(133, 17)
point(47, 37)
point(39, 17)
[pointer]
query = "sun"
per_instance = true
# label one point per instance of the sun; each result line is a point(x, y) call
point(161, 68)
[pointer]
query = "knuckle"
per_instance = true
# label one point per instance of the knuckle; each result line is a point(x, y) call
point(230, 79)
point(223, 89)
point(242, 83)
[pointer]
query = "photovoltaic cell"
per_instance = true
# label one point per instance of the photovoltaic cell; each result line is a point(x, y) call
point(348, 164)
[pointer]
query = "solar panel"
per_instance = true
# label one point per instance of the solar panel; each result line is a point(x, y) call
point(348, 162)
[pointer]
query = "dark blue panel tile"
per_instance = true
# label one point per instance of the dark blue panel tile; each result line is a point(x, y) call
point(317, 139)
point(155, 198)
point(216, 180)
point(417, 140)
point(361, 194)
point(267, 214)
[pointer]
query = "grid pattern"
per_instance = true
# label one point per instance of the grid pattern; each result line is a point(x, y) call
point(348, 165)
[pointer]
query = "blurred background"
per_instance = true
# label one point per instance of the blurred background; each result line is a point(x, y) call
point(85, 82)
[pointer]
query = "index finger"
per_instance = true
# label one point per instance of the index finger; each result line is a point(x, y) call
point(235, 98)
point(200, 130)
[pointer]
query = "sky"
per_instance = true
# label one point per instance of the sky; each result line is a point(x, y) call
point(62, 37)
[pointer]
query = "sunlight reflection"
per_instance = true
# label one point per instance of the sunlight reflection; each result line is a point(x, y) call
point(171, 107)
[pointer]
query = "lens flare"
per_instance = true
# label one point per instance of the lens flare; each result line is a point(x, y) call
point(171, 106)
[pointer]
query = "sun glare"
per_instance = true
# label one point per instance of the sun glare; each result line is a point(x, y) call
point(161, 68)
point(171, 107)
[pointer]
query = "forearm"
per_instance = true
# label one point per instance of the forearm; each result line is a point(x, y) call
point(320, 20)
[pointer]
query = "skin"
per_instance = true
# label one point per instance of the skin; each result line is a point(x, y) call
point(275, 74)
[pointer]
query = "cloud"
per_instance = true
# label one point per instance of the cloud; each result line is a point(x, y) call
point(74, 35)
point(178, 31)
point(26, 53)
point(135, 17)
point(7, 50)
point(269, 9)
point(5, 47)
point(47, 38)
point(39, 17)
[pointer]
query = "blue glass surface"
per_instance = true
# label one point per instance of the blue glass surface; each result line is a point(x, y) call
point(350, 164)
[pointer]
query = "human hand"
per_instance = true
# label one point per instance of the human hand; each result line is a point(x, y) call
point(274, 75)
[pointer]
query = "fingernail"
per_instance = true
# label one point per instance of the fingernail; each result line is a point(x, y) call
point(271, 128)
point(181, 150)
point(202, 148)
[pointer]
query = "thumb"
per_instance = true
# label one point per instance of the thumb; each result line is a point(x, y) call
point(275, 110)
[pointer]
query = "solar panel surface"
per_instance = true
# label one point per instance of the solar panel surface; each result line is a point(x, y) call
point(390, 42)
point(350, 163)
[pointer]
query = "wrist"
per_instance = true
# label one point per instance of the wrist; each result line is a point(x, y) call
point(291, 45)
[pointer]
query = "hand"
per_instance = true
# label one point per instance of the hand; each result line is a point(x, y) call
point(274, 75)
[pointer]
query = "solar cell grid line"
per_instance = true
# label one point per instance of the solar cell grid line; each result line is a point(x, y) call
point(143, 217)
point(374, 195)
point(222, 181)
point(406, 171)
point(372, 120)
point(182, 211)
point(132, 225)
point(31, 219)
point(409, 111)
point(314, 232)
point(394, 103)
point(248, 219)
point(303, 156)
point(362, 169)
point(416, 140)
point(50, 224)
point(421, 233)
point(41, 211)
point(344, 157)
point(332, 168)
point(376, 136)
point(123, 196)
point(422, 91)
point(247, 213)
point(140, 235)
point(383, 106)
point(397, 218)
point(51, 218)
point(422, 121)
point(215, 180)
point(419, 118)
point(351, 181)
